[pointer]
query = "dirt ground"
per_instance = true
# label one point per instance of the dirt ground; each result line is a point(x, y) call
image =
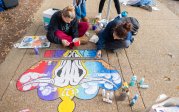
point(14, 22)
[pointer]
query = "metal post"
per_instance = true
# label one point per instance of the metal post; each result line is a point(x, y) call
point(108, 10)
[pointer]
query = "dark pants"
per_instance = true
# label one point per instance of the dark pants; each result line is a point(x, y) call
point(116, 2)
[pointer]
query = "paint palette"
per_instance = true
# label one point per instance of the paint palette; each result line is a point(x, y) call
point(34, 41)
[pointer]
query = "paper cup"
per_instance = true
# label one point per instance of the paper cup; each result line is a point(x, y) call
point(76, 42)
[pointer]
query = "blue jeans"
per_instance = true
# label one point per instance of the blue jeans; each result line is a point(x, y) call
point(81, 9)
point(144, 2)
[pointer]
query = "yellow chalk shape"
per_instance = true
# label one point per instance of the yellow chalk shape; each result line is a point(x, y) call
point(67, 105)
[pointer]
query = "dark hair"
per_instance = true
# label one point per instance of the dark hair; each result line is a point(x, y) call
point(69, 12)
point(122, 29)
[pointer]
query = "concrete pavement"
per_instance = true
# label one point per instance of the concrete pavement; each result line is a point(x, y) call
point(154, 54)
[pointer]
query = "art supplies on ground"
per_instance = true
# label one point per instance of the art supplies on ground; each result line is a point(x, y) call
point(94, 39)
point(34, 41)
point(47, 14)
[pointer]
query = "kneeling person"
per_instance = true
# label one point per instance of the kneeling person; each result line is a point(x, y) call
point(117, 34)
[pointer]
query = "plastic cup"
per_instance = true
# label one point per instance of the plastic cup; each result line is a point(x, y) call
point(76, 42)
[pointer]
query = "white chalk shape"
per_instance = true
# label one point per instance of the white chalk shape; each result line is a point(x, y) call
point(91, 90)
point(109, 86)
point(25, 78)
point(27, 87)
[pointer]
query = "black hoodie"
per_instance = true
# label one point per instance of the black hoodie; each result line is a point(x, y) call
point(57, 23)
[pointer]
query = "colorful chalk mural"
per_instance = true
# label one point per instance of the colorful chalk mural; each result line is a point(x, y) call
point(67, 79)
point(66, 53)
point(34, 41)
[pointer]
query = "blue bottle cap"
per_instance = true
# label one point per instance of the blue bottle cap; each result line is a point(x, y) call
point(124, 13)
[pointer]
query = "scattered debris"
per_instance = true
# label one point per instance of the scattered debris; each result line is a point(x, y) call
point(166, 78)
point(25, 110)
point(171, 55)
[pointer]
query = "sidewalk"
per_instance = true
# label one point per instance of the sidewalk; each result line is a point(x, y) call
point(153, 55)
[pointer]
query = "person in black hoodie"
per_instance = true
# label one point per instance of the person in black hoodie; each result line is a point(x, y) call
point(117, 34)
point(64, 27)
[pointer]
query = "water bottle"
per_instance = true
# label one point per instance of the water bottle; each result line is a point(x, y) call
point(141, 81)
point(134, 99)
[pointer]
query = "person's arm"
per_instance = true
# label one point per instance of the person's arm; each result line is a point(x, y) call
point(53, 26)
point(98, 54)
point(74, 28)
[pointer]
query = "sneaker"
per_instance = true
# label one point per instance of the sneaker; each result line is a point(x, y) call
point(147, 7)
point(84, 39)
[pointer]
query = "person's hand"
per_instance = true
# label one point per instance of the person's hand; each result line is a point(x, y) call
point(65, 43)
point(98, 54)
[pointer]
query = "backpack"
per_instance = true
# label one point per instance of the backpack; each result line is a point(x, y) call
point(10, 3)
point(1, 6)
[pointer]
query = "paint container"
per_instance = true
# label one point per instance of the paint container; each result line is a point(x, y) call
point(123, 96)
point(107, 100)
point(125, 85)
point(107, 96)
point(144, 86)
point(76, 42)
point(141, 81)
point(103, 92)
point(111, 94)
point(134, 99)
point(36, 51)
point(94, 27)
point(133, 80)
